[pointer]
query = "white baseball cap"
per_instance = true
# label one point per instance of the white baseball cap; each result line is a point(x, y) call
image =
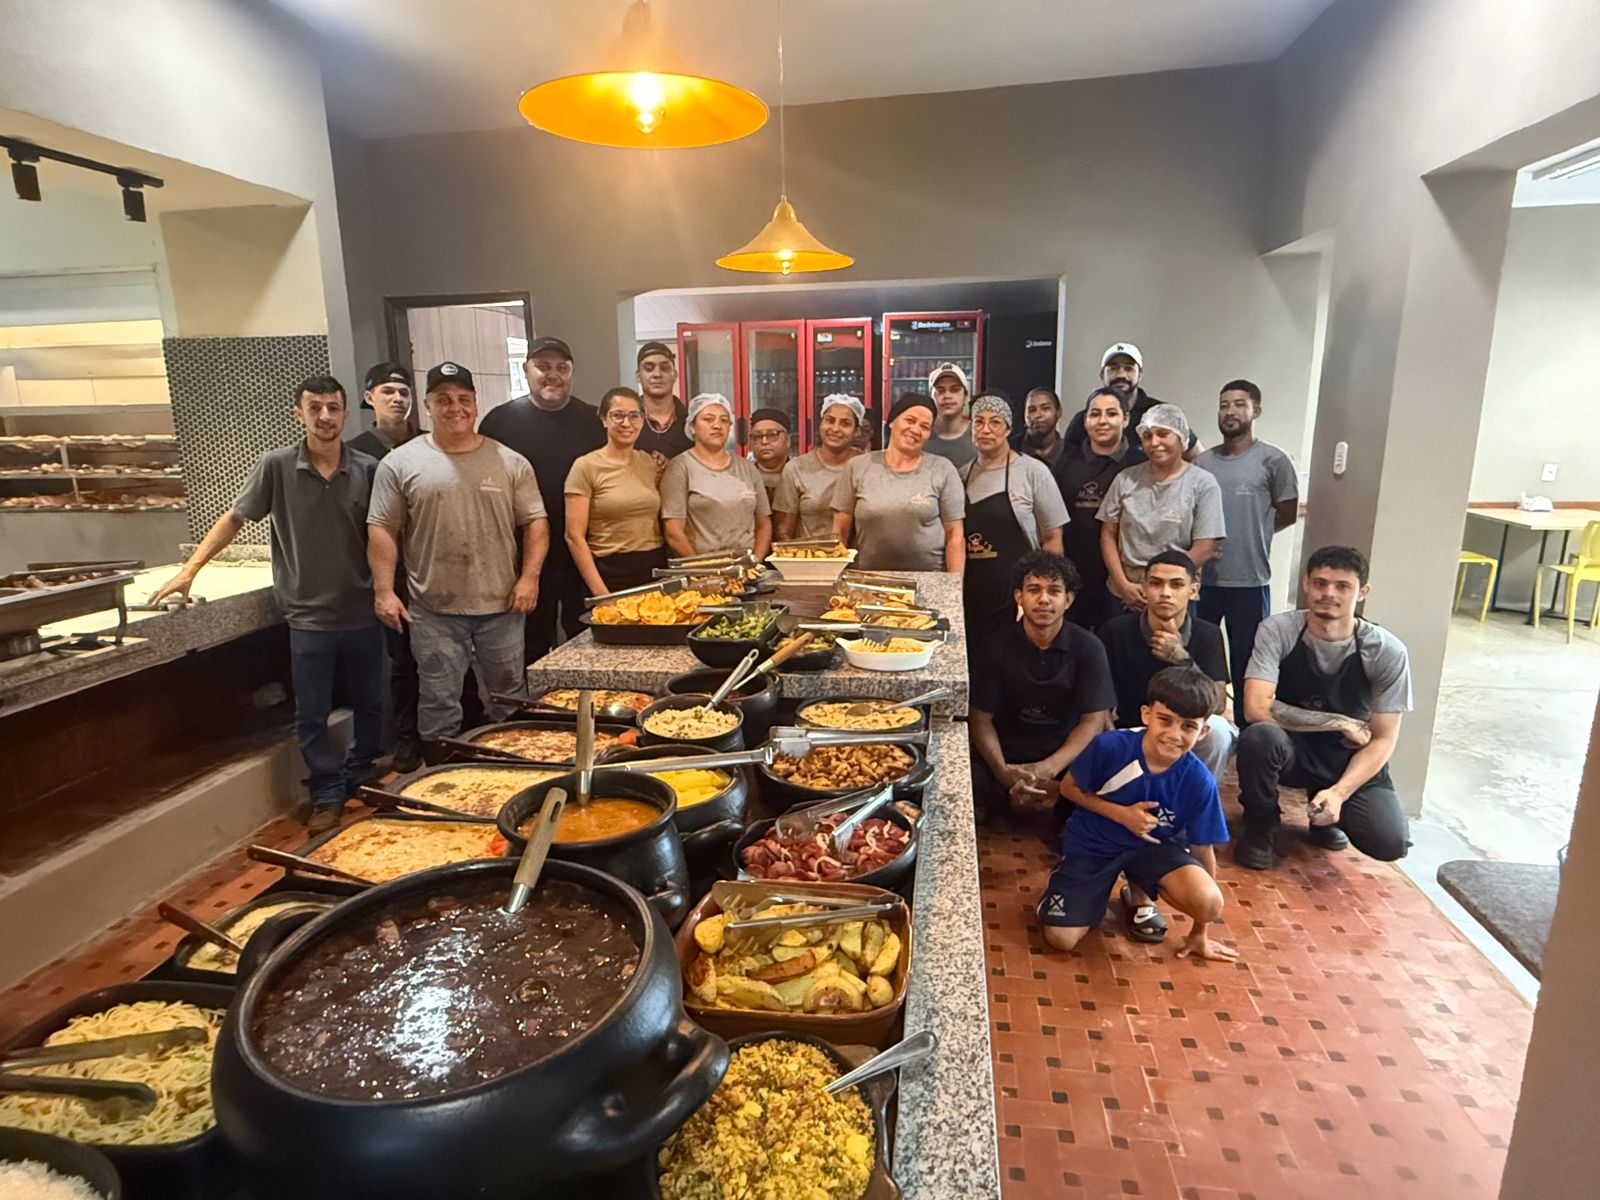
point(1127, 348)
point(944, 369)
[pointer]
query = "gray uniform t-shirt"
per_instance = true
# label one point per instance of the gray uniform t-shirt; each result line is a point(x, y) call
point(458, 516)
point(807, 488)
point(1383, 657)
point(899, 516)
point(959, 450)
point(1035, 498)
point(319, 535)
point(1154, 517)
point(720, 507)
point(1252, 483)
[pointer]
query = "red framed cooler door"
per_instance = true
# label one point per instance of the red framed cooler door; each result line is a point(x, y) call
point(773, 353)
point(838, 359)
point(915, 343)
point(708, 360)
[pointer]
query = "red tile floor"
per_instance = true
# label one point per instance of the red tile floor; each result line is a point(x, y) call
point(1361, 1048)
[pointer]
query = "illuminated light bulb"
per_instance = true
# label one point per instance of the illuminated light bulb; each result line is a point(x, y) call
point(647, 97)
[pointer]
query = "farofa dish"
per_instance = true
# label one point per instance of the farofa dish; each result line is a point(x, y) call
point(652, 608)
point(769, 1132)
point(836, 715)
point(696, 722)
point(848, 767)
point(382, 850)
point(474, 791)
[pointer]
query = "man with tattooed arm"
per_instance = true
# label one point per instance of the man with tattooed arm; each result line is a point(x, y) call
point(1324, 692)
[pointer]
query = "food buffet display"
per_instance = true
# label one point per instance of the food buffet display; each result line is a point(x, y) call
point(400, 1036)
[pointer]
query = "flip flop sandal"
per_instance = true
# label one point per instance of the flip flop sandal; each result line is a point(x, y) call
point(1145, 922)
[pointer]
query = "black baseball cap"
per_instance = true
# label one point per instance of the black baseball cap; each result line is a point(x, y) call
point(539, 345)
point(771, 414)
point(649, 348)
point(450, 372)
point(387, 372)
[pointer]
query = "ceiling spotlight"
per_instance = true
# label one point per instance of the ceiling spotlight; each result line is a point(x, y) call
point(25, 178)
point(133, 204)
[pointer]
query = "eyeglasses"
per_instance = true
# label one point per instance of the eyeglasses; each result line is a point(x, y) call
point(624, 418)
point(767, 435)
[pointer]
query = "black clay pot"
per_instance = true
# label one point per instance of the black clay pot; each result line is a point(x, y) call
point(649, 859)
point(706, 829)
point(891, 875)
point(727, 653)
point(607, 1098)
point(200, 1168)
point(569, 725)
point(63, 1157)
point(734, 739)
point(758, 700)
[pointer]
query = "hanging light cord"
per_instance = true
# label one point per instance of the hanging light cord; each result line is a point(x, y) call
point(783, 109)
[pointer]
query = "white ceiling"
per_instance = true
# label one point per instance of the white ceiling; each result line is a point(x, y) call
point(398, 67)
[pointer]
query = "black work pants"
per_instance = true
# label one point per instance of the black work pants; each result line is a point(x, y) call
point(1372, 818)
point(561, 596)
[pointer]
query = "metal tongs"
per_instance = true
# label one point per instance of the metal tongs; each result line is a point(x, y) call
point(746, 897)
point(666, 587)
point(803, 822)
point(804, 544)
point(71, 1052)
point(745, 558)
point(142, 1095)
point(826, 916)
point(785, 739)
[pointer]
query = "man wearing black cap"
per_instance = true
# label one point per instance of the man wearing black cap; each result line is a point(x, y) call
point(458, 500)
point(388, 394)
point(664, 435)
point(551, 428)
point(769, 445)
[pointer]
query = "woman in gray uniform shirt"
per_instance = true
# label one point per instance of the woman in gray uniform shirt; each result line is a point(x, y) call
point(803, 505)
point(712, 499)
point(904, 507)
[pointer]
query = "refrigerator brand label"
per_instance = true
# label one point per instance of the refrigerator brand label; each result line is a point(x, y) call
point(823, 338)
point(1037, 344)
point(938, 325)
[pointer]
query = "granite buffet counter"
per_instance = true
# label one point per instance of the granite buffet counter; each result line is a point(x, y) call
point(238, 601)
point(582, 662)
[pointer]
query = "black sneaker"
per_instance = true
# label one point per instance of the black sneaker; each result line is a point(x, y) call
point(1329, 837)
point(407, 756)
point(1254, 849)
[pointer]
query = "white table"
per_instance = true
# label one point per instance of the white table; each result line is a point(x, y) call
point(1564, 521)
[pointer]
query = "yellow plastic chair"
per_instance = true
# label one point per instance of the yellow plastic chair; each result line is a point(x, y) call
point(1582, 567)
point(1469, 559)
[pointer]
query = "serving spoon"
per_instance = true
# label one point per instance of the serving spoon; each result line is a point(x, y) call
point(865, 708)
point(583, 758)
point(535, 852)
point(282, 858)
point(909, 1050)
point(201, 929)
point(734, 679)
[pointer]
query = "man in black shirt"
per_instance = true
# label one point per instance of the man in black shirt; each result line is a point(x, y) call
point(1040, 695)
point(1139, 644)
point(663, 436)
point(388, 393)
point(1040, 437)
point(1084, 474)
point(551, 428)
point(1121, 369)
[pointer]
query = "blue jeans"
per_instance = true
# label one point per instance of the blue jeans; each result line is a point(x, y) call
point(317, 657)
point(1240, 611)
point(445, 645)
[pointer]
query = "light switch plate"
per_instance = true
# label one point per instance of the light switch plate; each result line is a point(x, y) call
point(1341, 457)
point(1548, 475)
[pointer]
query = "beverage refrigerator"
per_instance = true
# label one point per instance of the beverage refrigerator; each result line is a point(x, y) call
point(788, 365)
point(915, 343)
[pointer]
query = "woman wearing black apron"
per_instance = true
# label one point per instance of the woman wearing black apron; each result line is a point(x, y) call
point(1013, 506)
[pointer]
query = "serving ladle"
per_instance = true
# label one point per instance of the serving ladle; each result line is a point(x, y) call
point(535, 852)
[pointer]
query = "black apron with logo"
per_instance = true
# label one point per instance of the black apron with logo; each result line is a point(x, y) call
point(995, 544)
point(1323, 757)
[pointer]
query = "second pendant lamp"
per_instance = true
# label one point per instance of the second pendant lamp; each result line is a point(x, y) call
point(784, 246)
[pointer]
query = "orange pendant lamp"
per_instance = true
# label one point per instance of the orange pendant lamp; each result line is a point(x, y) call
point(784, 246)
point(644, 102)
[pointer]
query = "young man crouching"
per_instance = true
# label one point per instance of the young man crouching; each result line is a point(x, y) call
point(1143, 800)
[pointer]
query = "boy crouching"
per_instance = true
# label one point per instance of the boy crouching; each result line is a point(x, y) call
point(1149, 809)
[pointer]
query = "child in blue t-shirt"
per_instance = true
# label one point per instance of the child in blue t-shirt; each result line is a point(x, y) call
point(1142, 801)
